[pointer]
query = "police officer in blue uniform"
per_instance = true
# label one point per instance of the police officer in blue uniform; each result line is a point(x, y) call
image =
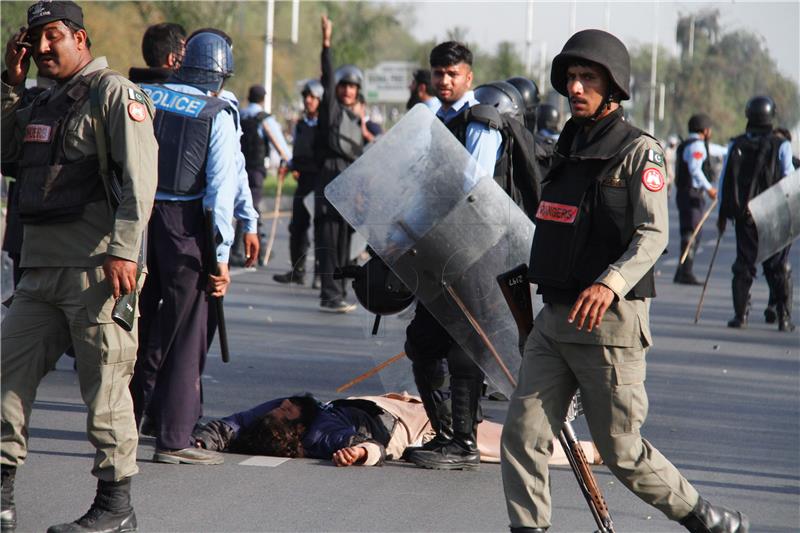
point(429, 346)
point(692, 183)
point(756, 161)
point(197, 169)
point(304, 166)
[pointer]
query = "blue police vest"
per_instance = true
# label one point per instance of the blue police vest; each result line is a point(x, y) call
point(182, 127)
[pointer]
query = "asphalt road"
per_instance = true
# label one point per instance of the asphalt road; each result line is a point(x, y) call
point(724, 407)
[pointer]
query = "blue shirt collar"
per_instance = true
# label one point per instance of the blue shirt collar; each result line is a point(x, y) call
point(460, 105)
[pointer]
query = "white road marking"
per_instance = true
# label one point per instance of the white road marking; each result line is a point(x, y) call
point(260, 460)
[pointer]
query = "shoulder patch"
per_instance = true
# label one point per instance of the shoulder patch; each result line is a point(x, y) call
point(652, 179)
point(135, 95)
point(137, 111)
point(697, 155)
point(655, 157)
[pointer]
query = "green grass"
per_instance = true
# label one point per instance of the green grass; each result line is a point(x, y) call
point(271, 185)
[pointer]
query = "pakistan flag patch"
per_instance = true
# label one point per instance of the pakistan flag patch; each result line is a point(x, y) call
point(655, 157)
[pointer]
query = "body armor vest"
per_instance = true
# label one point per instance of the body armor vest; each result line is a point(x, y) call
point(752, 168)
point(303, 158)
point(254, 147)
point(683, 180)
point(183, 130)
point(576, 237)
point(347, 141)
point(52, 189)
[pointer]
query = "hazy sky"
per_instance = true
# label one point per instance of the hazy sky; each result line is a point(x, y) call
point(634, 22)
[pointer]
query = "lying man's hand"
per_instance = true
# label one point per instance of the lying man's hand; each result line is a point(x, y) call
point(349, 456)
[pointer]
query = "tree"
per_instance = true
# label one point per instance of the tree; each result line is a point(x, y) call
point(727, 69)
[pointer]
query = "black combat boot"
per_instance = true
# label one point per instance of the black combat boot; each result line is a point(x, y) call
point(771, 312)
point(8, 512)
point(684, 275)
point(297, 276)
point(461, 453)
point(741, 302)
point(705, 518)
point(111, 511)
point(784, 305)
point(430, 379)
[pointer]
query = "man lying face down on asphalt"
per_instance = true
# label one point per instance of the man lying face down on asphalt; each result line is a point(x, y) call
point(364, 430)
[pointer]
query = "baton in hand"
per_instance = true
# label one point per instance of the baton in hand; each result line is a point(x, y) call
point(213, 268)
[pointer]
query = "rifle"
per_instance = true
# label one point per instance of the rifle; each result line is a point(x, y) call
point(516, 290)
point(213, 268)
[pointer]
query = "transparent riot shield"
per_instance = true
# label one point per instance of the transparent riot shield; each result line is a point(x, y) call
point(446, 229)
point(776, 213)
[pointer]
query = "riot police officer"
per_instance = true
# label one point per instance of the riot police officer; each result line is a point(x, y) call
point(692, 183)
point(594, 250)
point(432, 351)
point(530, 97)
point(756, 161)
point(305, 168)
point(547, 119)
point(198, 149)
point(340, 141)
point(83, 235)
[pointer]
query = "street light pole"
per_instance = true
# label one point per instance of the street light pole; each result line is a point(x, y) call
point(268, 56)
point(651, 124)
point(529, 41)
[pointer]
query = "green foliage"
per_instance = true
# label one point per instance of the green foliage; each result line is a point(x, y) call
point(726, 70)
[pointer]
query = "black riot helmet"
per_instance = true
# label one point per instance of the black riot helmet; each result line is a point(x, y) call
point(547, 118)
point(377, 288)
point(503, 96)
point(598, 47)
point(530, 95)
point(349, 74)
point(699, 122)
point(760, 111)
point(207, 62)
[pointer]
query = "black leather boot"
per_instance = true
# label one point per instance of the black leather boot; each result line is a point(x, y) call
point(293, 276)
point(685, 275)
point(8, 511)
point(741, 302)
point(784, 305)
point(461, 453)
point(111, 511)
point(430, 379)
point(706, 518)
point(771, 312)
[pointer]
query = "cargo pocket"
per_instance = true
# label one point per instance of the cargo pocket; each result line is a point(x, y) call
point(96, 297)
point(628, 397)
point(100, 336)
